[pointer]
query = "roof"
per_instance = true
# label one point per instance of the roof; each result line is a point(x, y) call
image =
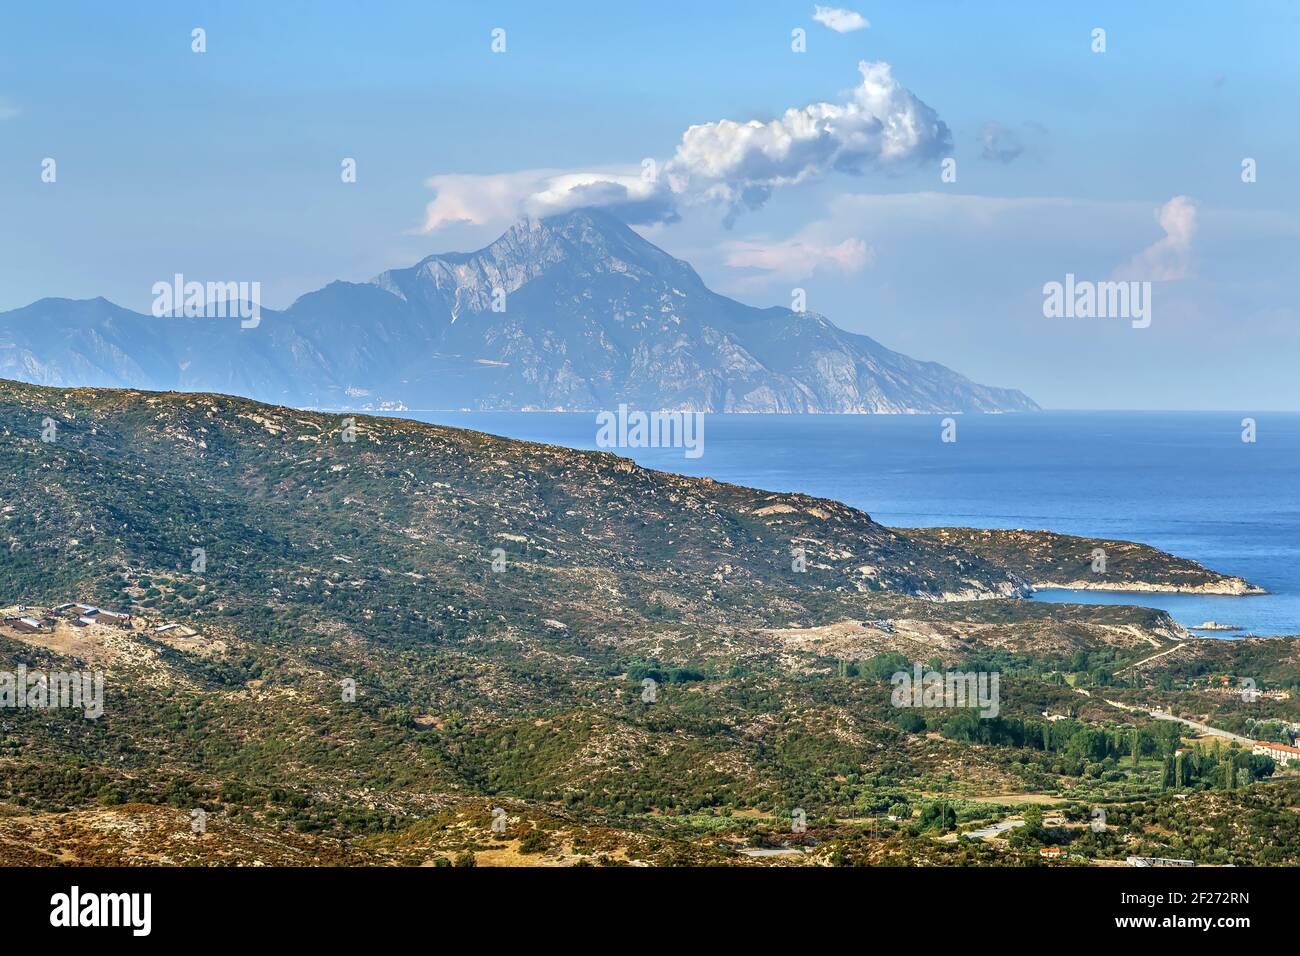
point(1286, 748)
point(32, 622)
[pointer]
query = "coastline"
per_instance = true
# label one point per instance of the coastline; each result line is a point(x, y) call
point(1227, 587)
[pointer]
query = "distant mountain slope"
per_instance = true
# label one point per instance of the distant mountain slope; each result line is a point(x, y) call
point(587, 315)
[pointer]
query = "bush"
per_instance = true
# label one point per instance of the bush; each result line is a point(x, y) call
point(534, 842)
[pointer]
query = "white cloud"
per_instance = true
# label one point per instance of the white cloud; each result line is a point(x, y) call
point(737, 165)
point(798, 258)
point(883, 126)
point(632, 195)
point(841, 21)
point(497, 198)
point(1171, 257)
point(481, 199)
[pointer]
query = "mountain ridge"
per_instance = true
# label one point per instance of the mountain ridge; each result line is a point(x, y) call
point(574, 312)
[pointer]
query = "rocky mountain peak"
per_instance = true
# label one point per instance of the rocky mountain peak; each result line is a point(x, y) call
point(573, 312)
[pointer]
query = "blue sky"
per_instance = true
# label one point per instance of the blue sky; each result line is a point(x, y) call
point(226, 164)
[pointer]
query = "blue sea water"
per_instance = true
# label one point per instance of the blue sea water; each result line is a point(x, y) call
point(1181, 481)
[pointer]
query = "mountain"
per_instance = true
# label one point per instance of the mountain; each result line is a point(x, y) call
point(574, 312)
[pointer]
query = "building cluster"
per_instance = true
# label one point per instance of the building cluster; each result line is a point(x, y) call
point(37, 621)
point(1224, 684)
point(1156, 861)
point(25, 623)
point(82, 615)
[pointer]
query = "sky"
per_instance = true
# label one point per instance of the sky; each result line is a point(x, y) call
point(818, 163)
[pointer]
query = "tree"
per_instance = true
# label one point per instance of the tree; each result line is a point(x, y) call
point(938, 814)
point(883, 666)
point(910, 721)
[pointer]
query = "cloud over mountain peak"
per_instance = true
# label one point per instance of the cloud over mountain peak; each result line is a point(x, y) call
point(883, 126)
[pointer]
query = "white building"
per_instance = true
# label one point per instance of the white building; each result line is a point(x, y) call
point(1282, 753)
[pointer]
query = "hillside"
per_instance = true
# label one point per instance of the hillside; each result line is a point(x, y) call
point(1049, 560)
point(328, 561)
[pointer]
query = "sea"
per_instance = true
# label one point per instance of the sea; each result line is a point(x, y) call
point(1185, 482)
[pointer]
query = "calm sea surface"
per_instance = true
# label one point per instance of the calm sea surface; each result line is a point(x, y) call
point(1181, 481)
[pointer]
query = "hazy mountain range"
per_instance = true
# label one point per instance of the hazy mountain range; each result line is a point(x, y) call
point(574, 312)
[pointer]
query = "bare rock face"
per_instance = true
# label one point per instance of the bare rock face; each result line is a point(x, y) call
point(575, 312)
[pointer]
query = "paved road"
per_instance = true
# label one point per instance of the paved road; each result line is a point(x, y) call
point(1195, 725)
point(994, 830)
point(1151, 658)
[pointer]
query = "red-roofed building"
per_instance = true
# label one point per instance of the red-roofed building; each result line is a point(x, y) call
point(1282, 753)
